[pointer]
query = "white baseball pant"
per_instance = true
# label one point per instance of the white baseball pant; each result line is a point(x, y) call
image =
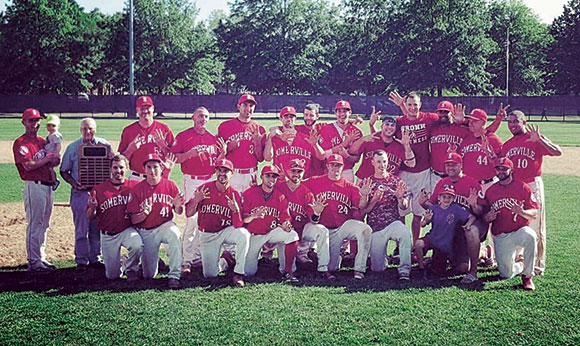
point(211, 244)
point(350, 230)
point(539, 225)
point(38, 207)
point(312, 233)
point(506, 247)
point(398, 232)
point(111, 249)
point(348, 174)
point(168, 233)
point(242, 182)
point(275, 236)
point(417, 181)
point(190, 240)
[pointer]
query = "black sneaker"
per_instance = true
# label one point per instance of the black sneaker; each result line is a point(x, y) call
point(290, 278)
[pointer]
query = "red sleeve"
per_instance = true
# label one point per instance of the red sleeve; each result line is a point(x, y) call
point(21, 153)
point(246, 202)
point(124, 143)
point(237, 217)
point(355, 197)
point(284, 211)
point(177, 145)
point(530, 199)
point(133, 205)
point(309, 199)
point(433, 198)
point(495, 143)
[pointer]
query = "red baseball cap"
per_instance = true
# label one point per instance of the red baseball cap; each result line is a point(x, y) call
point(297, 164)
point(478, 114)
point(31, 113)
point(448, 189)
point(225, 163)
point(152, 157)
point(247, 97)
point(143, 101)
point(335, 158)
point(270, 169)
point(504, 162)
point(453, 158)
point(342, 104)
point(445, 106)
point(287, 110)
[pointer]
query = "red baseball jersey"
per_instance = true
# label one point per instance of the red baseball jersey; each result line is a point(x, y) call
point(202, 164)
point(462, 189)
point(419, 128)
point(526, 156)
point(476, 162)
point(342, 197)
point(213, 213)
point(160, 196)
point(445, 139)
point(112, 202)
point(317, 167)
point(331, 136)
point(276, 209)
point(395, 153)
point(27, 148)
point(298, 149)
point(235, 130)
point(299, 204)
point(147, 146)
point(499, 197)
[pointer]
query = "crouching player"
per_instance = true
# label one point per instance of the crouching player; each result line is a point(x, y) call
point(220, 222)
point(266, 215)
point(444, 217)
point(151, 208)
point(107, 202)
point(385, 202)
point(340, 215)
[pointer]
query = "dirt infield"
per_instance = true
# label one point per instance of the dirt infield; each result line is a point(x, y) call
point(60, 243)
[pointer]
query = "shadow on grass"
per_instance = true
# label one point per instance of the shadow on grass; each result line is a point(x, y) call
point(67, 281)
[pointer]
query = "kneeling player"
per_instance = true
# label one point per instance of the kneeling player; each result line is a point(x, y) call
point(151, 209)
point(220, 222)
point(266, 215)
point(107, 203)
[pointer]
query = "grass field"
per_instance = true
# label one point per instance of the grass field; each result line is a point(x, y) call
point(79, 309)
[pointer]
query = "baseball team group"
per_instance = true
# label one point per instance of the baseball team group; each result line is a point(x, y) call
point(483, 199)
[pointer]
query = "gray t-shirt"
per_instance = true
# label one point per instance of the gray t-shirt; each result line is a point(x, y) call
point(52, 140)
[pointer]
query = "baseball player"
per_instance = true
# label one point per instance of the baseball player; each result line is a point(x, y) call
point(480, 150)
point(397, 150)
point(284, 143)
point(512, 206)
point(144, 137)
point(466, 244)
point(220, 221)
point(245, 141)
point(151, 208)
point(340, 214)
point(338, 136)
point(418, 125)
point(305, 213)
point(34, 167)
point(267, 218)
point(384, 202)
point(526, 150)
point(107, 203)
point(197, 150)
point(446, 137)
point(87, 237)
point(311, 115)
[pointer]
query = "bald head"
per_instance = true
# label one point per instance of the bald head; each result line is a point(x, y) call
point(88, 129)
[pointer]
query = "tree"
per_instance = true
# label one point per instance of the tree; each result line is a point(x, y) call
point(46, 47)
point(529, 41)
point(279, 46)
point(173, 53)
point(565, 50)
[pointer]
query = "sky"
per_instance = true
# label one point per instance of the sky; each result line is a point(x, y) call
point(547, 10)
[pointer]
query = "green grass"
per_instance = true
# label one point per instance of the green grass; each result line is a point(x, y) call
point(70, 308)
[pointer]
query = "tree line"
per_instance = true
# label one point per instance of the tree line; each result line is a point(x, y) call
point(363, 47)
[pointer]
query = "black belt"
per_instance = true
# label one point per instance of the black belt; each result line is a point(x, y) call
point(485, 181)
point(441, 175)
point(108, 233)
point(45, 183)
point(137, 174)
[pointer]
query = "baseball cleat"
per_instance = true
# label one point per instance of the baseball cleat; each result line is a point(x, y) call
point(40, 270)
point(528, 283)
point(359, 275)
point(186, 269)
point(49, 265)
point(290, 278)
point(404, 277)
point(81, 267)
point(238, 280)
point(469, 279)
point(173, 283)
point(327, 276)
